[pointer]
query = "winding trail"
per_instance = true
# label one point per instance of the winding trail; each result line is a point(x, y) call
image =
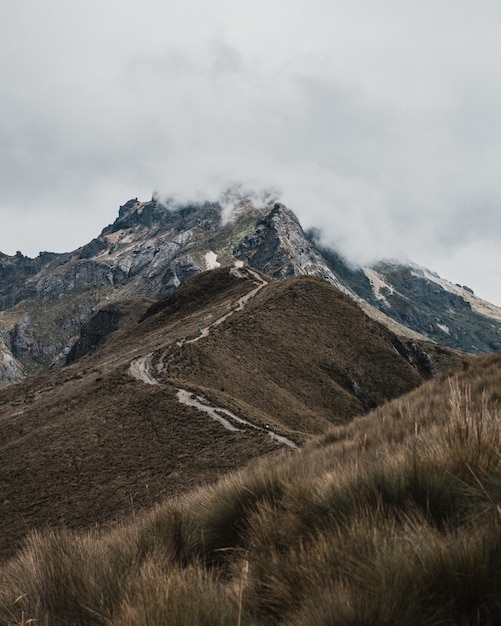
point(190, 399)
point(240, 303)
point(140, 368)
point(198, 402)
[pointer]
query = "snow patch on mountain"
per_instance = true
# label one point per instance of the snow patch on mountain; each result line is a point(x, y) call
point(211, 261)
point(444, 328)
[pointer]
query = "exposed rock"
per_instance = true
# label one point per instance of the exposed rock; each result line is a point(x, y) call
point(178, 273)
point(21, 339)
point(82, 273)
point(157, 217)
point(14, 272)
point(10, 369)
point(279, 247)
point(416, 298)
point(93, 248)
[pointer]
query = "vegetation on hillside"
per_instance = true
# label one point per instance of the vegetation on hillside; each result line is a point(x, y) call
point(87, 445)
point(300, 352)
point(390, 519)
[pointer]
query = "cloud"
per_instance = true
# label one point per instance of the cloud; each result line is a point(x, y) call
point(378, 122)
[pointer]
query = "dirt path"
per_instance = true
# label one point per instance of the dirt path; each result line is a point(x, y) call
point(200, 403)
point(190, 399)
point(240, 273)
point(140, 369)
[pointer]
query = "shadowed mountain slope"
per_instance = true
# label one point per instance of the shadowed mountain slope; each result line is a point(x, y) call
point(89, 444)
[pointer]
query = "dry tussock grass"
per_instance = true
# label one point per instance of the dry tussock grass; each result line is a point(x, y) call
point(392, 519)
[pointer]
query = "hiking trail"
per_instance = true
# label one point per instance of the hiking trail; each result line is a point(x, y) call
point(141, 368)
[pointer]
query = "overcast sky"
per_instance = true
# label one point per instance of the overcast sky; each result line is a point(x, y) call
point(378, 121)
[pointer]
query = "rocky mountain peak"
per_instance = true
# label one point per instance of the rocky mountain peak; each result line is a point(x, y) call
point(155, 246)
point(279, 247)
point(155, 215)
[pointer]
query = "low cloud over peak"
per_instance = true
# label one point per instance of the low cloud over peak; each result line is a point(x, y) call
point(378, 124)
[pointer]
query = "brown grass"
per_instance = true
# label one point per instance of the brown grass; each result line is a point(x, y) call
point(87, 445)
point(296, 353)
point(391, 519)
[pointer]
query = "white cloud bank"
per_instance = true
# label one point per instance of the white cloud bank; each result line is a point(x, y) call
point(379, 122)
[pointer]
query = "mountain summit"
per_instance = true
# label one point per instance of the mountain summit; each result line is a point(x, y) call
point(153, 247)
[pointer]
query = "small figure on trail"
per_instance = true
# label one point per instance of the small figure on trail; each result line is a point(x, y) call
point(200, 330)
point(275, 429)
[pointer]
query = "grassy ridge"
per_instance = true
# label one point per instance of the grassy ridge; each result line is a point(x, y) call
point(296, 353)
point(391, 519)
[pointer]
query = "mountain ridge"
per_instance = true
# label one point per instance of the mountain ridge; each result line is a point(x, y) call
point(207, 425)
point(153, 247)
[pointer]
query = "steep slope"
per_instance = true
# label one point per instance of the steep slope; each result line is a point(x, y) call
point(448, 314)
point(390, 519)
point(90, 444)
point(153, 247)
point(278, 246)
point(301, 353)
point(420, 300)
point(15, 272)
point(119, 315)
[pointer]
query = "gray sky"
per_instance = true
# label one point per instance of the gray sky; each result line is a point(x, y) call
point(379, 122)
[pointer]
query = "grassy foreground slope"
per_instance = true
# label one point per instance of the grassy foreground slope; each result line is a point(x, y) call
point(390, 519)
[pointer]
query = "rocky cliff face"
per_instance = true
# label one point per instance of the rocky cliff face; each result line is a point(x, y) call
point(153, 247)
point(279, 247)
point(10, 369)
point(15, 272)
point(420, 300)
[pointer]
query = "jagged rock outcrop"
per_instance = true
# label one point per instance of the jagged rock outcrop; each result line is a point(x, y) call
point(79, 274)
point(420, 300)
point(448, 314)
point(37, 350)
point(279, 247)
point(150, 249)
point(15, 271)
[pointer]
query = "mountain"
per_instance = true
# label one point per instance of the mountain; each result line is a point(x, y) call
point(214, 415)
point(153, 247)
point(134, 418)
